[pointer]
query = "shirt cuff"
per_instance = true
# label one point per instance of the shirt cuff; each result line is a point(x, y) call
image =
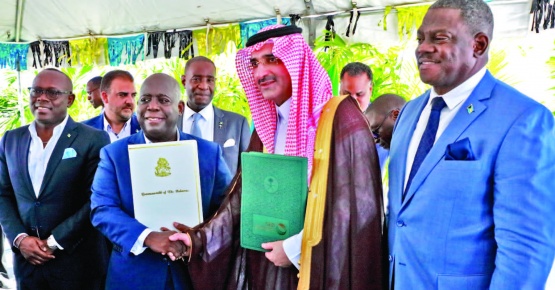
point(51, 241)
point(292, 248)
point(17, 237)
point(138, 248)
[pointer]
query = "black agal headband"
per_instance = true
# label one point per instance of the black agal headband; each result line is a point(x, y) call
point(265, 35)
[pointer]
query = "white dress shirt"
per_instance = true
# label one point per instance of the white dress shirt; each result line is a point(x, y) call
point(453, 100)
point(39, 157)
point(205, 123)
point(139, 245)
point(291, 245)
point(125, 131)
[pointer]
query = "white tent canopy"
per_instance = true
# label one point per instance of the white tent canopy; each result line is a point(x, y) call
point(31, 20)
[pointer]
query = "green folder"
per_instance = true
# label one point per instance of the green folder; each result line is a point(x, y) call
point(273, 200)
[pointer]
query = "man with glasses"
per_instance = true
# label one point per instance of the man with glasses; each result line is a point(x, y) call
point(381, 115)
point(93, 92)
point(118, 118)
point(46, 172)
point(202, 119)
point(290, 97)
point(138, 259)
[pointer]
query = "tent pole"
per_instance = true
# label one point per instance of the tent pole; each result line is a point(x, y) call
point(20, 101)
point(311, 27)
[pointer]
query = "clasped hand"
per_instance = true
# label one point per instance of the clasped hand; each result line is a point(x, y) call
point(159, 242)
point(35, 250)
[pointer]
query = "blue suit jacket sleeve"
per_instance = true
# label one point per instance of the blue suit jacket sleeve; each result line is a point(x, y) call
point(222, 180)
point(524, 203)
point(108, 214)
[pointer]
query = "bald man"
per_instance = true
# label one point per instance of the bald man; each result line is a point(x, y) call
point(381, 115)
point(138, 258)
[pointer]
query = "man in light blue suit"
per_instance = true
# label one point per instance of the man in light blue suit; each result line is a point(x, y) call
point(472, 175)
point(137, 260)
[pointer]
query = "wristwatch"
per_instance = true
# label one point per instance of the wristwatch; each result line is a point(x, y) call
point(51, 243)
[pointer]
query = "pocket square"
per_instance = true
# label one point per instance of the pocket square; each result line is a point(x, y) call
point(69, 153)
point(460, 150)
point(229, 143)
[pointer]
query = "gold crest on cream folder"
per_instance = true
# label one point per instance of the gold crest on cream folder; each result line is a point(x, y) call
point(166, 183)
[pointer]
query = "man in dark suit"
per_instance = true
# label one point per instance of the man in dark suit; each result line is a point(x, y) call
point(93, 92)
point(118, 95)
point(228, 129)
point(138, 260)
point(46, 171)
point(471, 175)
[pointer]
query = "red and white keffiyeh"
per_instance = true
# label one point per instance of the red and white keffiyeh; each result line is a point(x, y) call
point(311, 88)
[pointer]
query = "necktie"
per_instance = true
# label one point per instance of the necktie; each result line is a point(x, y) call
point(195, 128)
point(427, 140)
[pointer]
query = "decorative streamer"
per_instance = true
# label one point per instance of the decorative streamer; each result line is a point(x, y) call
point(56, 53)
point(89, 51)
point(186, 50)
point(154, 39)
point(169, 43)
point(12, 54)
point(295, 18)
point(131, 46)
point(249, 29)
point(217, 38)
point(353, 12)
point(35, 49)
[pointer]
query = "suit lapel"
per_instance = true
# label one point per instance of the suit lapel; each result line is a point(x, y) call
point(69, 134)
point(401, 140)
point(219, 126)
point(456, 127)
point(135, 126)
point(23, 154)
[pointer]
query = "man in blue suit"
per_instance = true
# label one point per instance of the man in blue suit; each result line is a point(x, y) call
point(472, 179)
point(138, 260)
point(46, 172)
point(118, 95)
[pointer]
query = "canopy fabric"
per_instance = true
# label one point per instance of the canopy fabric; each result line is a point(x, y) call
point(65, 19)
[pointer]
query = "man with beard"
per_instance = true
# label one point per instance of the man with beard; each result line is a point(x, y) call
point(204, 120)
point(471, 175)
point(382, 114)
point(290, 98)
point(46, 172)
point(138, 259)
point(118, 94)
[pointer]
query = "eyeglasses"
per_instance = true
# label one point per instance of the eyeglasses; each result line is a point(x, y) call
point(268, 60)
point(50, 93)
point(375, 132)
point(91, 91)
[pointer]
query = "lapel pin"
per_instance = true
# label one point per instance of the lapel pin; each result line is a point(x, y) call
point(68, 135)
point(220, 125)
point(470, 108)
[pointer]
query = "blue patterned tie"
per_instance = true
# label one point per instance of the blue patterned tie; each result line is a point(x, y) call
point(427, 140)
point(195, 129)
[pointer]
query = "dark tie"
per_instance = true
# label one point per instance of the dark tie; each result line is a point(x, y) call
point(427, 140)
point(195, 129)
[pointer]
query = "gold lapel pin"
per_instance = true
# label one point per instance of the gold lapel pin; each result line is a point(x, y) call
point(68, 135)
point(221, 124)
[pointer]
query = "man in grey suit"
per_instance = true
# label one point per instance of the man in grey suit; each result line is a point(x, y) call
point(202, 119)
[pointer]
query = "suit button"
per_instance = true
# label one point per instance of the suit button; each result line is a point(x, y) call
point(37, 203)
point(401, 223)
point(390, 258)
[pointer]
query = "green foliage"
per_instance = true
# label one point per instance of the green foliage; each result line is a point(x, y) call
point(551, 63)
point(335, 53)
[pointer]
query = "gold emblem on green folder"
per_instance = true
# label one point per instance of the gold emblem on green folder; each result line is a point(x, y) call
point(163, 168)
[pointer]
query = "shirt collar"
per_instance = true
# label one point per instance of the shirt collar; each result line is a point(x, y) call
point(207, 113)
point(107, 124)
point(57, 130)
point(147, 141)
point(283, 111)
point(459, 94)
